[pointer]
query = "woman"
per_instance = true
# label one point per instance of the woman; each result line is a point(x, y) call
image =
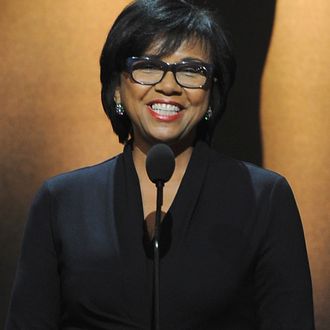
point(232, 248)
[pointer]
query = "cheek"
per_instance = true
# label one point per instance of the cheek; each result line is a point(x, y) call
point(200, 100)
point(132, 93)
point(127, 92)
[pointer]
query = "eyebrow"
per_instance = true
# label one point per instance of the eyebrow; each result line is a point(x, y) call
point(193, 59)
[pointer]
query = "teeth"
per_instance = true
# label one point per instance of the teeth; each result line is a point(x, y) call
point(165, 109)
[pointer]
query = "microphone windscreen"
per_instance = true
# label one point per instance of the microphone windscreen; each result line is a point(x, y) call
point(160, 163)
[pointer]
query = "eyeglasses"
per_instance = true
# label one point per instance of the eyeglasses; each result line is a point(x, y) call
point(151, 71)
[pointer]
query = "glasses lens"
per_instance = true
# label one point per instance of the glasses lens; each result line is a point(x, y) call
point(193, 75)
point(146, 72)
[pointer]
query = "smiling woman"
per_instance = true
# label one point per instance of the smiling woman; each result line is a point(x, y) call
point(232, 246)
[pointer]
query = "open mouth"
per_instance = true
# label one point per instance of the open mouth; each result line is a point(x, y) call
point(164, 109)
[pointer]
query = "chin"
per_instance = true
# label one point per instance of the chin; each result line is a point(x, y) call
point(163, 139)
point(172, 139)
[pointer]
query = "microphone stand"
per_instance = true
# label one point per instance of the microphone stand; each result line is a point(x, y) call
point(160, 165)
point(159, 203)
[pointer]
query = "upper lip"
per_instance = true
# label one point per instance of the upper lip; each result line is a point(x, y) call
point(161, 101)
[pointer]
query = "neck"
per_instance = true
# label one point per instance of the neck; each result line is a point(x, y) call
point(182, 157)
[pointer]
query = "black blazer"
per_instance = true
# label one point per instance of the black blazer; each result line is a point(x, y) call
point(233, 254)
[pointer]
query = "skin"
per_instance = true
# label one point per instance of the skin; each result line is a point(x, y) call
point(178, 132)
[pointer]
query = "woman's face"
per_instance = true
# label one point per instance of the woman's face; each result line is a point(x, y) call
point(165, 112)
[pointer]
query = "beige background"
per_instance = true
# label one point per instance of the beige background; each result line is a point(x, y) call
point(296, 126)
point(52, 119)
point(51, 115)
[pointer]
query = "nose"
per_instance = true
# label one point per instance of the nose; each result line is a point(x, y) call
point(168, 85)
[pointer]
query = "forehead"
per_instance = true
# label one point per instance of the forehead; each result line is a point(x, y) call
point(189, 48)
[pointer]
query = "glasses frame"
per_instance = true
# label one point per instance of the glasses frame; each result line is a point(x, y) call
point(174, 68)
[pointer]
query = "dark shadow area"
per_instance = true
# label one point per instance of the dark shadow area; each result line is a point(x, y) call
point(250, 26)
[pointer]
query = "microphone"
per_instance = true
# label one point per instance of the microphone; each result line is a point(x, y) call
point(160, 164)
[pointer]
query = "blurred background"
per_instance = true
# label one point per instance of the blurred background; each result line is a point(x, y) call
point(278, 114)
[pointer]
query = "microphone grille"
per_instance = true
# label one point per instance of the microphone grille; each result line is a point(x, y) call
point(160, 163)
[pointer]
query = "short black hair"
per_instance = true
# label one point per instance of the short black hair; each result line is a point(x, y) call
point(171, 22)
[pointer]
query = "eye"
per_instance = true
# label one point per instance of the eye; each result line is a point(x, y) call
point(146, 66)
point(193, 70)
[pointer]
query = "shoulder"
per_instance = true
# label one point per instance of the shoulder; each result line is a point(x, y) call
point(236, 166)
point(242, 173)
point(82, 178)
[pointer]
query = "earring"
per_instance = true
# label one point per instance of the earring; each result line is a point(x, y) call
point(208, 114)
point(120, 109)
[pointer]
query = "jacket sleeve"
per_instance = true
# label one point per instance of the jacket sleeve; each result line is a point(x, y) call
point(35, 301)
point(282, 276)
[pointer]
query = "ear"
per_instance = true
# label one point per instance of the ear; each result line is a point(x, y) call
point(117, 97)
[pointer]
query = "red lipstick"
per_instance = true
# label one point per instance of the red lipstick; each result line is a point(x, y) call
point(166, 113)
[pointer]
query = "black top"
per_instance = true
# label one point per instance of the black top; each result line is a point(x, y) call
point(233, 252)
